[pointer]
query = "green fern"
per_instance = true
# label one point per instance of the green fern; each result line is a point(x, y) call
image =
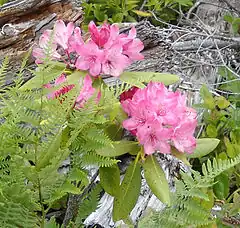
point(3, 72)
point(31, 132)
point(15, 215)
point(92, 158)
point(216, 167)
point(88, 205)
point(118, 89)
point(190, 199)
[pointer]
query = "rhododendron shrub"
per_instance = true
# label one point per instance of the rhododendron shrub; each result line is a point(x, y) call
point(158, 118)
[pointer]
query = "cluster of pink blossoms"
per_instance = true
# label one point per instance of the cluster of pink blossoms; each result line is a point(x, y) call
point(105, 52)
point(160, 119)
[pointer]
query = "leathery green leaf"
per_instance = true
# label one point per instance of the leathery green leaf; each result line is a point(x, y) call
point(156, 179)
point(204, 147)
point(125, 201)
point(110, 179)
point(138, 78)
point(118, 148)
point(221, 187)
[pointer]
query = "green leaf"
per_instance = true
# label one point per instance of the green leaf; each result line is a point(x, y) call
point(221, 188)
point(142, 13)
point(235, 209)
point(68, 187)
point(185, 2)
point(211, 131)
point(230, 148)
point(129, 192)
point(130, 19)
point(228, 18)
point(110, 179)
point(223, 156)
point(181, 156)
point(114, 131)
point(204, 147)
point(235, 25)
point(117, 18)
point(231, 86)
point(75, 77)
point(88, 205)
point(222, 102)
point(3, 2)
point(118, 148)
point(156, 179)
point(65, 137)
point(98, 13)
point(207, 97)
point(138, 78)
point(115, 110)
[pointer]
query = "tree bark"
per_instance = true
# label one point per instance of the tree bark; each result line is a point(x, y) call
point(23, 21)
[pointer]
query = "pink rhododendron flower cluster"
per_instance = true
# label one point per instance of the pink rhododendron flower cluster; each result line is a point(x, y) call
point(105, 52)
point(160, 118)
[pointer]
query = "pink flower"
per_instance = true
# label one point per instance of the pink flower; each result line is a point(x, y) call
point(105, 36)
point(75, 41)
point(154, 137)
point(114, 62)
point(139, 117)
point(86, 92)
point(190, 113)
point(90, 58)
point(119, 50)
point(99, 36)
point(114, 37)
point(106, 52)
point(63, 33)
point(183, 138)
point(131, 106)
point(162, 102)
point(160, 118)
point(133, 46)
point(47, 48)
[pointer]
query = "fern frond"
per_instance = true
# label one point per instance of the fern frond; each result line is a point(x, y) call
point(91, 158)
point(88, 205)
point(188, 209)
point(16, 215)
point(20, 77)
point(119, 88)
point(3, 71)
point(98, 136)
point(216, 167)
